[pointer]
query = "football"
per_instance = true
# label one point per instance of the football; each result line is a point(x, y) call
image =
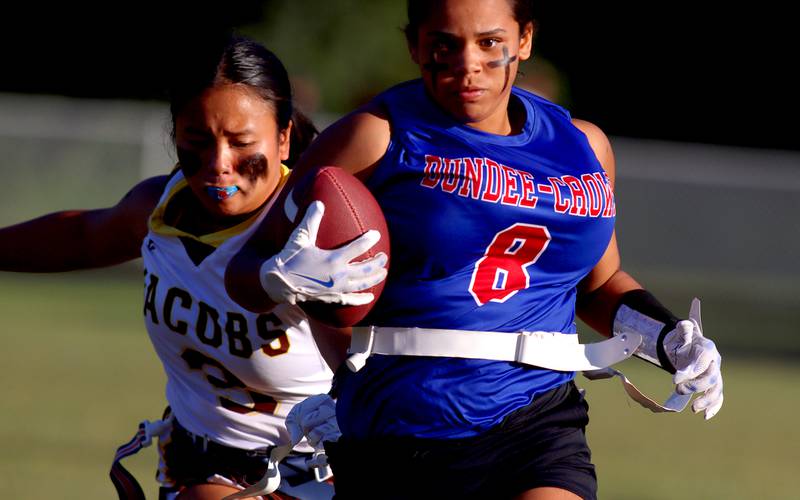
point(350, 211)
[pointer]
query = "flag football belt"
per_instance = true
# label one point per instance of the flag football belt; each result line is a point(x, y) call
point(128, 488)
point(552, 350)
point(202, 444)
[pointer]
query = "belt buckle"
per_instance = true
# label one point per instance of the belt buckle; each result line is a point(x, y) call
point(360, 348)
point(199, 441)
point(259, 452)
point(523, 339)
point(530, 342)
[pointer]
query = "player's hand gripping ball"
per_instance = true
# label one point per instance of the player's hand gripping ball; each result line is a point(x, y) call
point(326, 258)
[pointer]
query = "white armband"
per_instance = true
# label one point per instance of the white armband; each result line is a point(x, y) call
point(639, 312)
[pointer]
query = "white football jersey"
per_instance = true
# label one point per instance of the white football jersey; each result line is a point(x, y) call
point(232, 375)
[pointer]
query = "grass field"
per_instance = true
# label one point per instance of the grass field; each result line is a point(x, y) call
point(79, 374)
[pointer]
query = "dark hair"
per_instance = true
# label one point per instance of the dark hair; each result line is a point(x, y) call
point(240, 60)
point(419, 10)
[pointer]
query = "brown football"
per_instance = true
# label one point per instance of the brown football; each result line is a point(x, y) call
point(350, 211)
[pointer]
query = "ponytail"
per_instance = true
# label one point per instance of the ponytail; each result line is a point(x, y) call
point(303, 132)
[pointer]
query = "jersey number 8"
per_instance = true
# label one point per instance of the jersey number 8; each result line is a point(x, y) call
point(502, 271)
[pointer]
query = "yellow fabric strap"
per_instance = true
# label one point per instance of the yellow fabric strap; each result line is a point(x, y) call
point(157, 224)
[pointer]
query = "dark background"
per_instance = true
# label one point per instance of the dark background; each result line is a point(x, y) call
point(671, 70)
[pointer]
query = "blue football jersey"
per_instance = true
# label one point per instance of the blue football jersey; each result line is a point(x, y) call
point(488, 232)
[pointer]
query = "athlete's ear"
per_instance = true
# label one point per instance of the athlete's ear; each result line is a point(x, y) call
point(412, 49)
point(285, 141)
point(411, 43)
point(526, 41)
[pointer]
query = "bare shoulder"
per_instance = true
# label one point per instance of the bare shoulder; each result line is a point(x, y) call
point(355, 143)
point(136, 206)
point(115, 234)
point(599, 143)
point(149, 190)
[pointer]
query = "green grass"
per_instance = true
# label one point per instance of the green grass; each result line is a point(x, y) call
point(79, 373)
point(749, 450)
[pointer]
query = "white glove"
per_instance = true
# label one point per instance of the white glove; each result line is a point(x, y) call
point(302, 271)
point(314, 418)
point(697, 362)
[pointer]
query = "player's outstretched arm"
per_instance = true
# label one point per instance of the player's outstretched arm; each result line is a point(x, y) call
point(81, 239)
point(613, 303)
point(600, 291)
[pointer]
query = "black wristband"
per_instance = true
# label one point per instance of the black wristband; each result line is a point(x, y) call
point(645, 303)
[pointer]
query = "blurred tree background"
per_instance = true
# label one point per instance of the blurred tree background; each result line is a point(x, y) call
point(339, 53)
point(700, 72)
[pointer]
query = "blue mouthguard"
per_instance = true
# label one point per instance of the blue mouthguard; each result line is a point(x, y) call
point(222, 193)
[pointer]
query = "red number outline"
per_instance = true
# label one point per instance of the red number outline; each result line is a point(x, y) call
point(259, 403)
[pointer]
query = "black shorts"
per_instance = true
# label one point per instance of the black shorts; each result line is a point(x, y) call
point(542, 444)
point(187, 460)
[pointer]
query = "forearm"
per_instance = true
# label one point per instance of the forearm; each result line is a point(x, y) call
point(332, 342)
point(67, 241)
point(621, 305)
point(597, 307)
point(243, 280)
point(52, 243)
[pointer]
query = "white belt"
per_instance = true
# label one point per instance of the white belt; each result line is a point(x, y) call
point(551, 350)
